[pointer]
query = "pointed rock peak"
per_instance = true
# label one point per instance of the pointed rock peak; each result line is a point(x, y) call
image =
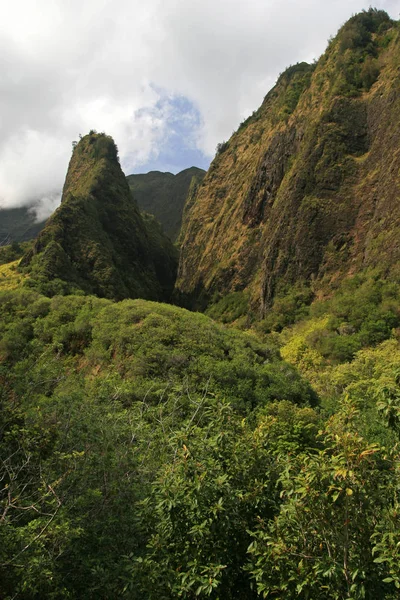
point(97, 241)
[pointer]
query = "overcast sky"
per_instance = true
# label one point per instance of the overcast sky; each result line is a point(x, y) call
point(168, 79)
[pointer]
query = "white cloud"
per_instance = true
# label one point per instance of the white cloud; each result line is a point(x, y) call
point(116, 66)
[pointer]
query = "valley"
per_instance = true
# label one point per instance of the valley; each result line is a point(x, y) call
point(200, 373)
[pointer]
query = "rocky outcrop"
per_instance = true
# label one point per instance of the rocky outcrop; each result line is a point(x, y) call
point(97, 241)
point(307, 189)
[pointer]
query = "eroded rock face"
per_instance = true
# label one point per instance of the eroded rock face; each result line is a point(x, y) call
point(265, 185)
point(308, 187)
point(317, 207)
point(96, 241)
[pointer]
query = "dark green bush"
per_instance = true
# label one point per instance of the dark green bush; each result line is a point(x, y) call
point(229, 308)
point(363, 312)
point(290, 305)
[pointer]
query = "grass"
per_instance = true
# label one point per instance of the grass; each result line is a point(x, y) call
point(10, 277)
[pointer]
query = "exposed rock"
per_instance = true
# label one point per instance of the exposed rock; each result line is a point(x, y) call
point(311, 180)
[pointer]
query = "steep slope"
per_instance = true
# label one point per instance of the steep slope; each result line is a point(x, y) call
point(18, 225)
point(307, 189)
point(96, 241)
point(163, 195)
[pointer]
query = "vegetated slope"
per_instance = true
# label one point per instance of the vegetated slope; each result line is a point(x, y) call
point(163, 195)
point(96, 398)
point(18, 225)
point(307, 188)
point(10, 277)
point(148, 452)
point(96, 241)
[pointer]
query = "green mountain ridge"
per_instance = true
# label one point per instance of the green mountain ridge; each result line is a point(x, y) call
point(160, 194)
point(18, 225)
point(96, 241)
point(163, 195)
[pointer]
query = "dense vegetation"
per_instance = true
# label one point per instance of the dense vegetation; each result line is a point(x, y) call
point(360, 41)
point(149, 452)
point(163, 195)
point(14, 251)
point(99, 402)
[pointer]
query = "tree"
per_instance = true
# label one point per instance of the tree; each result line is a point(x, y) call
point(320, 545)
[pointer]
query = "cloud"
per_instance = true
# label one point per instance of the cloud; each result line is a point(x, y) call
point(165, 73)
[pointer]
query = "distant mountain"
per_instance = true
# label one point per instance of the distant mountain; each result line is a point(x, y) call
point(307, 189)
point(18, 225)
point(97, 241)
point(160, 194)
point(163, 195)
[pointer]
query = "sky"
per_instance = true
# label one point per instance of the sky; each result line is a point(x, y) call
point(168, 79)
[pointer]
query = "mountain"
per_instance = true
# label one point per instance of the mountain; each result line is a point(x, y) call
point(18, 225)
point(163, 195)
point(150, 452)
point(160, 194)
point(96, 241)
point(306, 190)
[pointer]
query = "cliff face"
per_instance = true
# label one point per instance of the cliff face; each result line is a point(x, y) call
point(96, 241)
point(163, 195)
point(307, 189)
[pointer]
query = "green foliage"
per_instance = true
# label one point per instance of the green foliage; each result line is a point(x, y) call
point(290, 305)
point(358, 30)
point(362, 313)
point(13, 251)
point(97, 400)
point(229, 308)
point(221, 147)
point(10, 278)
point(297, 79)
point(320, 545)
point(387, 544)
point(149, 452)
point(387, 395)
point(204, 505)
point(369, 72)
point(359, 48)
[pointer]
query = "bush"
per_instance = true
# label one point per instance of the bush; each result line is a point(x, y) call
point(222, 147)
point(290, 305)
